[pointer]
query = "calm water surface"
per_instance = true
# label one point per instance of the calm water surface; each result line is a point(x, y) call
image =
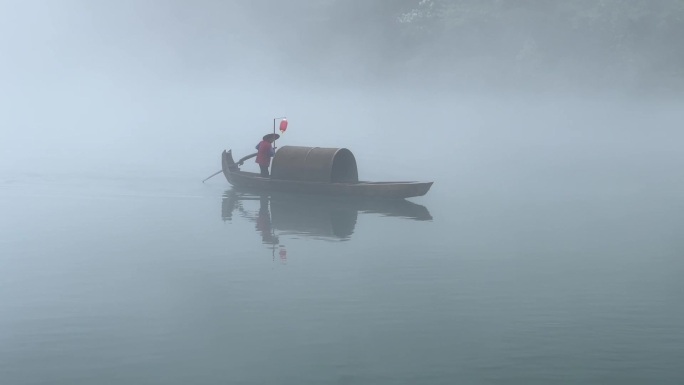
point(537, 265)
point(173, 282)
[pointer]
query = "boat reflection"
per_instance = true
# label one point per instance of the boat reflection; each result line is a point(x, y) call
point(311, 216)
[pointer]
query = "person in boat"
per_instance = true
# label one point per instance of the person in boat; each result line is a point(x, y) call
point(265, 151)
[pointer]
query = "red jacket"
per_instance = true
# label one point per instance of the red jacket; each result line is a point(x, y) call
point(264, 153)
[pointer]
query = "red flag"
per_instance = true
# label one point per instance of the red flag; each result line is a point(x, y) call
point(283, 126)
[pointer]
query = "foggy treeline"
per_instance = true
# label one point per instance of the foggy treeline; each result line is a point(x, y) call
point(483, 44)
point(590, 44)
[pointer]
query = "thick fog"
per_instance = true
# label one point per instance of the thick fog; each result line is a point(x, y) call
point(548, 250)
point(416, 89)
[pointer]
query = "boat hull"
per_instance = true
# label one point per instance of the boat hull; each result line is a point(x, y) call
point(371, 190)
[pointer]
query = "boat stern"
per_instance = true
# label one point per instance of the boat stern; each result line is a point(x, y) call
point(227, 162)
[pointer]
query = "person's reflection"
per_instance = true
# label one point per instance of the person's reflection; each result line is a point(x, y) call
point(263, 222)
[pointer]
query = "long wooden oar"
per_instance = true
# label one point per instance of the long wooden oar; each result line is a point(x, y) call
point(212, 175)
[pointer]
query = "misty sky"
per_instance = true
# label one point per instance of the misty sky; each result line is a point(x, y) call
point(164, 86)
point(90, 80)
point(128, 84)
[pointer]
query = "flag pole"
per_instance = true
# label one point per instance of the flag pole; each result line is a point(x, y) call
point(274, 127)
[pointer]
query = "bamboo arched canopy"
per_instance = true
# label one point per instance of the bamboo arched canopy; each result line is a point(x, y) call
point(315, 164)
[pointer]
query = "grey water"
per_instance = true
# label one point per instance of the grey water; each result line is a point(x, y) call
point(549, 250)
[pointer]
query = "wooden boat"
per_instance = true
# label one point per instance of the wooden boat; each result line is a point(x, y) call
point(316, 170)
